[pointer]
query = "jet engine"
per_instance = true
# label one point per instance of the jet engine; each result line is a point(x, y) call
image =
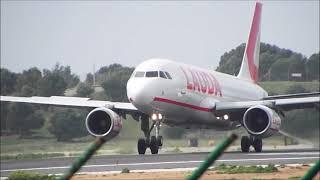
point(103, 122)
point(261, 121)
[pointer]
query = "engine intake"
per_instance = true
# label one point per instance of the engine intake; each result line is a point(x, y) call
point(103, 122)
point(261, 121)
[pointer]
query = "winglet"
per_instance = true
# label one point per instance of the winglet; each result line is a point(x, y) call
point(250, 63)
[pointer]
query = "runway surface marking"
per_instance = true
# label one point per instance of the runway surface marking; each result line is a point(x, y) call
point(289, 153)
point(158, 163)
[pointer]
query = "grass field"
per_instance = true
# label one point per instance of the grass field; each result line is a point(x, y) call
point(281, 87)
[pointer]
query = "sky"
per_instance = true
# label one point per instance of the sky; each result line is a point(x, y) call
point(84, 34)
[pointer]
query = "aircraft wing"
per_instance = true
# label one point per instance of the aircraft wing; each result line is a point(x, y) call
point(292, 95)
point(283, 104)
point(71, 102)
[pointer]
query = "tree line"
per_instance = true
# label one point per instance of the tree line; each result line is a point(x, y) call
point(276, 64)
point(21, 118)
point(64, 123)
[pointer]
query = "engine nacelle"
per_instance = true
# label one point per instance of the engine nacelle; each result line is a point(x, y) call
point(103, 122)
point(261, 121)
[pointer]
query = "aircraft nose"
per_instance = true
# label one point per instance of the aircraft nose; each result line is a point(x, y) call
point(133, 93)
point(137, 93)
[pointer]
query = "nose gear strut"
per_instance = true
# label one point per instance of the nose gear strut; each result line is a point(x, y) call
point(154, 142)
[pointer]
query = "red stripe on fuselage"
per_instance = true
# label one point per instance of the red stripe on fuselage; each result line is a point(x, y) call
point(182, 104)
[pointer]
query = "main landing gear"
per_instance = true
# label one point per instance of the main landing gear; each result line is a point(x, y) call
point(153, 142)
point(246, 142)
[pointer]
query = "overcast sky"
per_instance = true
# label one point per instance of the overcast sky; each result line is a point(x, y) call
point(83, 33)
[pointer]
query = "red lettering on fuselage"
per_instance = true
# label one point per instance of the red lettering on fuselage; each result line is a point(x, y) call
point(196, 85)
point(217, 86)
point(210, 84)
point(189, 84)
point(202, 82)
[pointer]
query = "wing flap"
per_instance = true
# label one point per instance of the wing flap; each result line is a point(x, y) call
point(297, 103)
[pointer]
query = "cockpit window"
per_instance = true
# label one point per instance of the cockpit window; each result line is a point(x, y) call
point(168, 75)
point(152, 74)
point(162, 75)
point(139, 74)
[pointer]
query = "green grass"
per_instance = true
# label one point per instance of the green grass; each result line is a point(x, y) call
point(13, 145)
point(224, 169)
point(31, 156)
point(22, 175)
point(176, 150)
point(126, 150)
point(280, 87)
point(295, 178)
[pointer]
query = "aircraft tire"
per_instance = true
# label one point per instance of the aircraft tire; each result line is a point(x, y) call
point(160, 141)
point(154, 145)
point(142, 146)
point(257, 144)
point(245, 143)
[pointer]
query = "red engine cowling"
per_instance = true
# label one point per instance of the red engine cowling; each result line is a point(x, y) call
point(103, 122)
point(261, 121)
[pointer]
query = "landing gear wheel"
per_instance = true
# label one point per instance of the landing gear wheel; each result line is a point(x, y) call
point(154, 145)
point(142, 146)
point(160, 141)
point(245, 144)
point(257, 144)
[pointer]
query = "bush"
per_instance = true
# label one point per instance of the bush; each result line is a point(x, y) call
point(23, 118)
point(125, 170)
point(22, 175)
point(84, 90)
point(67, 124)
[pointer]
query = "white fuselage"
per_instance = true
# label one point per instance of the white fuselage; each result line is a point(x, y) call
point(189, 97)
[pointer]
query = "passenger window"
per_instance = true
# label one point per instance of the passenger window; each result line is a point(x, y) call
point(168, 75)
point(152, 74)
point(139, 74)
point(162, 75)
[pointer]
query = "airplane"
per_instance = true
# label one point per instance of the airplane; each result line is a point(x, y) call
point(164, 91)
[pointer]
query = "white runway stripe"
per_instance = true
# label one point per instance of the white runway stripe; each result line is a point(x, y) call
point(289, 153)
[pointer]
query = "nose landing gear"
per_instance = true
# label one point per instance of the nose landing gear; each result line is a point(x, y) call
point(154, 142)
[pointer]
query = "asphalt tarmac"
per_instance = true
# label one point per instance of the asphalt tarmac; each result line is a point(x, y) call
point(109, 163)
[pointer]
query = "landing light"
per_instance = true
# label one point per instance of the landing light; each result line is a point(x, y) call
point(218, 118)
point(226, 117)
point(154, 117)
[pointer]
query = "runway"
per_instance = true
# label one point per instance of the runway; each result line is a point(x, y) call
point(107, 163)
